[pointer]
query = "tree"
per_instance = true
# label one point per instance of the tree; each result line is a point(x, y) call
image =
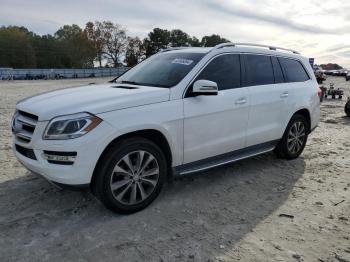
point(77, 50)
point(135, 51)
point(213, 40)
point(194, 41)
point(47, 51)
point(94, 34)
point(156, 40)
point(179, 38)
point(114, 41)
point(16, 49)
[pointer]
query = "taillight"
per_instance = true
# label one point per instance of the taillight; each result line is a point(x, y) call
point(319, 92)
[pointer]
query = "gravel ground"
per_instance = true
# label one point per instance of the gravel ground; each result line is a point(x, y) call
point(231, 213)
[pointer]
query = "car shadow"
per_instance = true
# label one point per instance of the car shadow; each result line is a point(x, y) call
point(196, 217)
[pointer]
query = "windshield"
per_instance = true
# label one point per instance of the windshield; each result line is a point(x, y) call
point(162, 70)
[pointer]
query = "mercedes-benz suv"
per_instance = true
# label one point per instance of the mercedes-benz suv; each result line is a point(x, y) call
point(180, 111)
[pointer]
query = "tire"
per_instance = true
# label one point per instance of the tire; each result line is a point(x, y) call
point(347, 109)
point(285, 148)
point(136, 183)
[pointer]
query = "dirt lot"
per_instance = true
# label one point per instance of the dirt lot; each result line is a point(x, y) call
point(230, 213)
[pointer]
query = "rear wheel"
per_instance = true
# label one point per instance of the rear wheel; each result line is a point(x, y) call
point(294, 138)
point(132, 175)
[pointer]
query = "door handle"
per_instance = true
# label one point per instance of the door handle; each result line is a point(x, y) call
point(285, 94)
point(241, 101)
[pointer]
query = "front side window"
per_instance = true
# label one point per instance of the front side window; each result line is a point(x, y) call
point(293, 70)
point(162, 70)
point(258, 70)
point(224, 70)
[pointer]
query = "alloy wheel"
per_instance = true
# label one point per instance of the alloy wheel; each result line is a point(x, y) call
point(134, 177)
point(296, 137)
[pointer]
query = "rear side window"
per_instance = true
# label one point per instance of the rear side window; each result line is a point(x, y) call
point(258, 70)
point(277, 70)
point(225, 70)
point(293, 70)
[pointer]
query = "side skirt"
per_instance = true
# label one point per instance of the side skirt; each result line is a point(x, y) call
point(226, 158)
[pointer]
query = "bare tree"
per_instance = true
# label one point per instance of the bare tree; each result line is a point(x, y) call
point(114, 42)
point(135, 51)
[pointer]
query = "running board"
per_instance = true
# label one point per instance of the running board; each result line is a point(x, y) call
point(224, 159)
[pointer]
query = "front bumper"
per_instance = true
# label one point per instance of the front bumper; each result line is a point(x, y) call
point(88, 149)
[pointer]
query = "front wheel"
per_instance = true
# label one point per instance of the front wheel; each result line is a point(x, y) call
point(294, 138)
point(132, 175)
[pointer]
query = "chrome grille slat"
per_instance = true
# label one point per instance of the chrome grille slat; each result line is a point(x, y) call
point(25, 134)
point(26, 120)
point(22, 121)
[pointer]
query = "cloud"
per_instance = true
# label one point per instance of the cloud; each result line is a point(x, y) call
point(319, 29)
point(271, 19)
point(337, 48)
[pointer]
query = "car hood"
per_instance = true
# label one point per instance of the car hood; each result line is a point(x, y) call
point(94, 99)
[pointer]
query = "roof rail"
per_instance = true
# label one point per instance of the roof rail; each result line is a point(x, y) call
point(254, 45)
point(173, 48)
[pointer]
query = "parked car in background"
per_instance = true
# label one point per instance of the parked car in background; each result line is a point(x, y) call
point(180, 111)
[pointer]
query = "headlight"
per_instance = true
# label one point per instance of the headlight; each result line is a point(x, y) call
point(71, 126)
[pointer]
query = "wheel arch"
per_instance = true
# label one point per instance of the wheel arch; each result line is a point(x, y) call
point(305, 113)
point(153, 135)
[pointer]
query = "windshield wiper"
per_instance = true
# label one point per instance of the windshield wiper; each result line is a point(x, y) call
point(140, 84)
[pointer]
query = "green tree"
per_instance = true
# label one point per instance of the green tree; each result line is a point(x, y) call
point(135, 51)
point(213, 40)
point(179, 38)
point(156, 40)
point(194, 41)
point(94, 34)
point(47, 51)
point(76, 49)
point(16, 49)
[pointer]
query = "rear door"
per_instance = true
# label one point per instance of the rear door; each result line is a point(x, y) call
point(297, 83)
point(264, 79)
point(215, 125)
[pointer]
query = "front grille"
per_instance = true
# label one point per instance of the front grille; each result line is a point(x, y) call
point(23, 126)
point(25, 152)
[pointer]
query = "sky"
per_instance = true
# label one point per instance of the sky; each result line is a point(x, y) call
point(316, 28)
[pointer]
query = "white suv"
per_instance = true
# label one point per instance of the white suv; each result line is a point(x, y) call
point(180, 111)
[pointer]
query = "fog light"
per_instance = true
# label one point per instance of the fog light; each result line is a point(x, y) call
point(60, 158)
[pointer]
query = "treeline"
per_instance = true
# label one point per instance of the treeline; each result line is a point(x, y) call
point(102, 43)
point(331, 66)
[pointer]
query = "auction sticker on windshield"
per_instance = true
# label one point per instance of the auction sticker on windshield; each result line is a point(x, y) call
point(182, 61)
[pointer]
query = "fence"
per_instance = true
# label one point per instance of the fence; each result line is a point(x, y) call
point(30, 74)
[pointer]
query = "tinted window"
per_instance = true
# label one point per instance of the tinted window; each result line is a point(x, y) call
point(224, 70)
point(293, 70)
point(164, 70)
point(258, 70)
point(277, 71)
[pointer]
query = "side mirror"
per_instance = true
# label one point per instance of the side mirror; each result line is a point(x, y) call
point(205, 87)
